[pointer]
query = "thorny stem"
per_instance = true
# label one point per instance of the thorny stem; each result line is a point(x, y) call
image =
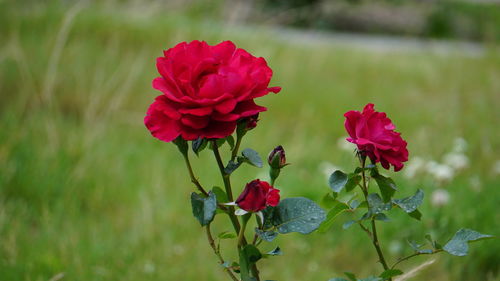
point(194, 180)
point(374, 235)
point(217, 252)
point(227, 186)
point(414, 255)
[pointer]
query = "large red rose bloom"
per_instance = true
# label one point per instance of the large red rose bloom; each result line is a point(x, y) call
point(206, 90)
point(374, 135)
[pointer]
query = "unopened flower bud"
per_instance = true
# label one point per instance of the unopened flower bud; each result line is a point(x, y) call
point(276, 158)
point(252, 121)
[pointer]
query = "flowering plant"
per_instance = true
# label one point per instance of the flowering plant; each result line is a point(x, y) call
point(377, 141)
point(207, 102)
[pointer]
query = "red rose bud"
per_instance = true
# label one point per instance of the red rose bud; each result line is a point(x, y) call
point(206, 90)
point(375, 137)
point(252, 122)
point(257, 195)
point(276, 158)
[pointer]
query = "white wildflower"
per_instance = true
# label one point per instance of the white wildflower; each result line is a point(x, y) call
point(440, 197)
point(457, 161)
point(440, 172)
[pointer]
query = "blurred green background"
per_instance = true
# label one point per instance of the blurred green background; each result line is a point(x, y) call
point(87, 194)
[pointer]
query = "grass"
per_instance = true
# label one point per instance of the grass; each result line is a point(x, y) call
point(87, 194)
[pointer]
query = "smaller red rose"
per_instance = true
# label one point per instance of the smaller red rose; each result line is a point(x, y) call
point(375, 137)
point(257, 195)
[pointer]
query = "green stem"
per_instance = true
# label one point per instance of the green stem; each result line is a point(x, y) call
point(241, 235)
point(229, 192)
point(374, 235)
point(227, 186)
point(236, 147)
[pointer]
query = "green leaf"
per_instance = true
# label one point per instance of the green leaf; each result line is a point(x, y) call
point(204, 207)
point(252, 253)
point(354, 204)
point(252, 157)
point(198, 145)
point(337, 181)
point(227, 235)
point(386, 185)
point(415, 214)
point(328, 201)
point(268, 235)
point(410, 204)
point(220, 194)
point(230, 141)
point(268, 213)
point(298, 214)
point(376, 204)
point(414, 245)
point(433, 242)
point(330, 217)
point(458, 245)
point(352, 182)
point(351, 276)
point(348, 224)
point(381, 217)
point(276, 252)
point(390, 273)
point(182, 145)
point(231, 167)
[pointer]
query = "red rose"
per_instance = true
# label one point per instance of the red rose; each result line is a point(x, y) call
point(206, 90)
point(374, 135)
point(257, 195)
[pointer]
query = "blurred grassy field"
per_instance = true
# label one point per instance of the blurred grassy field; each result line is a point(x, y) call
point(87, 194)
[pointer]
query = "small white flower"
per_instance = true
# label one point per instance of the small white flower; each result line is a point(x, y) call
point(440, 172)
point(343, 144)
point(457, 161)
point(440, 197)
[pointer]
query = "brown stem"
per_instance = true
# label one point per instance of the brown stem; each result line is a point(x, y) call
point(217, 253)
point(194, 180)
point(414, 255)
